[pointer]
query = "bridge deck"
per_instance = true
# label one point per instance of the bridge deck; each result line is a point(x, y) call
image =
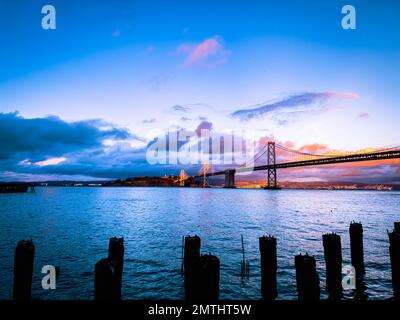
point(394, 154)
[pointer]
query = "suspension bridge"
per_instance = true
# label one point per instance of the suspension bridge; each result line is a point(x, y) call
point(274, 156)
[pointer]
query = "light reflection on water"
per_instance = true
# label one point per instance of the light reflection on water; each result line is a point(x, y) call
point(70, 228)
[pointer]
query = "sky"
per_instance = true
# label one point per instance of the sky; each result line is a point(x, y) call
point(85, 100)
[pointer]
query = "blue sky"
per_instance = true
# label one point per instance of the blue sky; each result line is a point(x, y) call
point(128, 64)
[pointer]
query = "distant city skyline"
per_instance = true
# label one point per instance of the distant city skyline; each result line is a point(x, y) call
point(84, 101)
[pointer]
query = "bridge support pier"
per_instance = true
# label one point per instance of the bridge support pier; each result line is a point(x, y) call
point(229, 179)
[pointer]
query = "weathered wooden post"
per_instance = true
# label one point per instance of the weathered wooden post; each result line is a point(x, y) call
point(104, 281)
point(394, 250)
point(357, 248)
point(116, 257)
point(333, 261)
point(209, 275)
point(268, 267)
point(191, 265)
point(23, 270)
point(307, 278)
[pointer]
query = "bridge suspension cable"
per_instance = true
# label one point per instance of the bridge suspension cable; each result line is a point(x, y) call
point(327, 155)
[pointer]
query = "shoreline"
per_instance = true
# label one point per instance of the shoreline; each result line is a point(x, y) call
point(216, 187)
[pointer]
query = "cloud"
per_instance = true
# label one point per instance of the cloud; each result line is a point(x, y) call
point(379, 173)
point(204, 125)
point(314, 148)
point(34, 146)
point(291, 103)
point(52, 136)
point(118, 161)
point(51, 148)
point(363, 115)
point(196, 110)
point(50, 162)
point(185, 119)
point(147, 121)
point(211, 51)
point(181, 108)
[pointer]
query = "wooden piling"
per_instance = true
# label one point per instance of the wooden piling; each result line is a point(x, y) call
point(394, 250)
point(397, 227)
point(307, 278)
point(23, 270)
point(191, 266)
point(268, 267)
point(192, 249)
point(116, 257)
point(209, 276)
point(357, 248)
point(104, 281)
point(333, 262)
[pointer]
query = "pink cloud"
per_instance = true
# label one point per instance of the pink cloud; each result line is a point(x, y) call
point(210, 52)
point(345, 95)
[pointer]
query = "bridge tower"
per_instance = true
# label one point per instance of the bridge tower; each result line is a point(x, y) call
point(271, 172)
point(182, 177)
point(206, 168)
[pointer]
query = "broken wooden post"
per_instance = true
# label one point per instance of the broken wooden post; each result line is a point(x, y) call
point(397, 227)
point(307, 278)
point(333, 261)
point(209, 274)
point(268, 267)
point(191, 265)
point(357, 248)
point(192, 249)
point(394, 250)
point(104, 281)
point(23, 270)
point(116, 257)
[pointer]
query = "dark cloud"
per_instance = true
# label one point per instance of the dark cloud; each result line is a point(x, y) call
point(52, 136)
point(24, 142)
point(287, 103)
point(119, 161)
point(204, 125)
